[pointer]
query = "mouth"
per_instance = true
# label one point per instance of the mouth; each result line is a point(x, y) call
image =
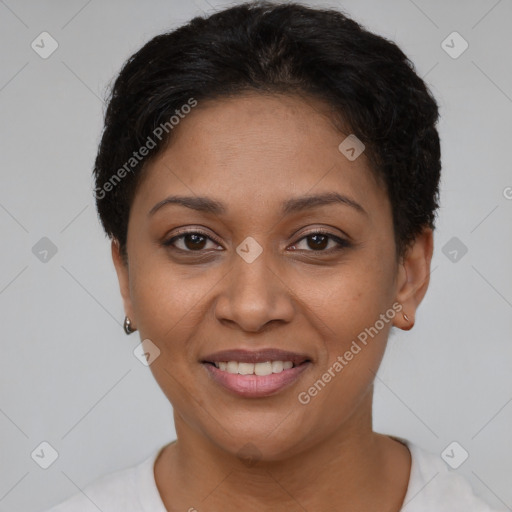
point(255, 374)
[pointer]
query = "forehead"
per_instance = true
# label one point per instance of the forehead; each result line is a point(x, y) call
point(259, 148)
point(270, 129)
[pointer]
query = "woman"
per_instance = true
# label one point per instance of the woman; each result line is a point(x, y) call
point(269, 179)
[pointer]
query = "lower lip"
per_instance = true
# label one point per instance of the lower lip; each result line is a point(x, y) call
point(255, 386)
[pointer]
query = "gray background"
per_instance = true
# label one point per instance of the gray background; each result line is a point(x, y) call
point(68, 375)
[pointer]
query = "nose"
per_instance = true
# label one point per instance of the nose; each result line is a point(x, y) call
point(254, 295)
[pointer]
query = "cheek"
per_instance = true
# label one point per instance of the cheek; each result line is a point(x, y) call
point(168, 308)
point(351, 298)
point(354, 311)
point(354, 346)
point(166, 302)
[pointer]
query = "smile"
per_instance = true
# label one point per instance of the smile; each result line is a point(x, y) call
point(255, 380)
point(260, 369)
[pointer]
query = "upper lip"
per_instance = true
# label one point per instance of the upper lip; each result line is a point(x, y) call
point(255, 356)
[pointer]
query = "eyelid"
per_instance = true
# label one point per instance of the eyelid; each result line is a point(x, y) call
point(194, 231)
point(340, 241)
point(323, 231)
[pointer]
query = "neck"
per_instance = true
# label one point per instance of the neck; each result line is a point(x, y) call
point(194, 473)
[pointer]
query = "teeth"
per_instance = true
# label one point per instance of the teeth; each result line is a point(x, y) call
point(232, 367)
point(245, 368)
point(260, 369)
point(263, 369)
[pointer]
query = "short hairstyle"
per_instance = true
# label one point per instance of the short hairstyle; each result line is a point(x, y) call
point(369, 84)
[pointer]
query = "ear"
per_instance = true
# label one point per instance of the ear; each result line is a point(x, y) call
point(124, 281)
point(414, 277)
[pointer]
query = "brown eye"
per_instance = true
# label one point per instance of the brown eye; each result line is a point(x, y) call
point(319, 242)
point(194, 241)
point(189, 242)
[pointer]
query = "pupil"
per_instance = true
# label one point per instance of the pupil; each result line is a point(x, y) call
point(195, 239)
point(323, 243)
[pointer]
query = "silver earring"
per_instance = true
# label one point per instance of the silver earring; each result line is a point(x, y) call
point(128, 329)
point(405, 317)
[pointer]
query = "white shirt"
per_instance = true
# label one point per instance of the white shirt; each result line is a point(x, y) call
point(433, 487)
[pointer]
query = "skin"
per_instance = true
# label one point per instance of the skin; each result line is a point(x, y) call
point(252, 153)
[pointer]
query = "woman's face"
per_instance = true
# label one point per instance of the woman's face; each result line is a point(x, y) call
point(264, 267)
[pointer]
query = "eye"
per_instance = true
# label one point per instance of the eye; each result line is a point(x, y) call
point(318, 241)
point(190, 241)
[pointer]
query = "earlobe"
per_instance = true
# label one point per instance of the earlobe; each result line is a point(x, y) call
point(409, 323)
point(123, 278)
point(413, 278)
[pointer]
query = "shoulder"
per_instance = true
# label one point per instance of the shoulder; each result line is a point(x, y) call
point(434, 486)
point(106, 493)
point(127, 489)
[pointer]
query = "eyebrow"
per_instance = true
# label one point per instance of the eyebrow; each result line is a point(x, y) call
point(294, 205)
point(312, 201)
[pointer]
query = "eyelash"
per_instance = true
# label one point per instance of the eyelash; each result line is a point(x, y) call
point(342, 243)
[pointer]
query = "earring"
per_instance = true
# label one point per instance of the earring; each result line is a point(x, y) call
point(410, 325)
point(128, 329)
